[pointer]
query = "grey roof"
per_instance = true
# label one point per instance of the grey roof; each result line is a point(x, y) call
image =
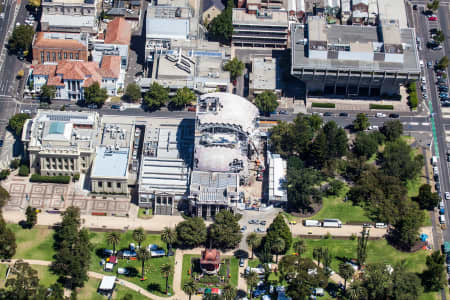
point(217, 3)
point(350, 34)
point(68, 21)
point(116, 11)
point(167, 28)
point(110, 163)
point(135, 2)
point(209, 187)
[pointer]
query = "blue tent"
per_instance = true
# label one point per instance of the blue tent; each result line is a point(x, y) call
point(423, 237)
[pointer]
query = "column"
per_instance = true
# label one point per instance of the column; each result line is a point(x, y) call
point(208, 211)
point(199, 210)
point(217, 209)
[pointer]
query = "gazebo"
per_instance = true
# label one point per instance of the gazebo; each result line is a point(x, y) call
point(210, 261)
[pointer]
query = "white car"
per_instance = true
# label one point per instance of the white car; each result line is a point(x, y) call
point(447, 196)
point(374, 127)
point(380, 115)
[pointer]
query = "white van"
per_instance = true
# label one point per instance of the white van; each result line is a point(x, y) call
point(380, 225)
point(422, 64)
point(442, 219)
point(441, 205)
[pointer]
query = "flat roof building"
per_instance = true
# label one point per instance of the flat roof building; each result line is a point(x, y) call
point(166, 162)
point(353, 60)
point(277, 178)
point(61, 143)
point(265, 75)
point(266, 28)
point(393, 12)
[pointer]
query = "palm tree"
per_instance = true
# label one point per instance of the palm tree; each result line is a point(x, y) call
point(139, 236)
point(113, 238)
point(252, 280)
point(278, 246)
point(229, 292)
point(143, 255)
point(253, 240)
point(300, 247)
point(166, 270)
point(190, 287)
point(169, 236)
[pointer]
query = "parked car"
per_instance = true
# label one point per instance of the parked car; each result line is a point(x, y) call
point(92, 106)
point(448, 269)
point(394, 116)
point(283, 112)
point(327, 114)
point(244, 228)
point(192, 108)
point(343, 114)
point(380, 225)
point(447, 196)
point(241, 262)
point(438, 47)
point(432, 18)
point(437, 186)
point(380, 115)
point(115, 106)
point(443, 89)
point(367, 225)
point(263, 222)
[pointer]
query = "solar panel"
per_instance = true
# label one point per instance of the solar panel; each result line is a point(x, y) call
point(66, 118)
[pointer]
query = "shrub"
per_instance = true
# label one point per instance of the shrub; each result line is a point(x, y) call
point(15, 163)
point(323, 105)
point(381, 106)
point(328, 236)
point(50, 179)
point(4, 174)
point(24, 170)
point(353, 237)
point(76, 177)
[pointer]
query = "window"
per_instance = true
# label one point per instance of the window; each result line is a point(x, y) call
point(48, 56)
point(77, 56)
point(71, 55)
point(53, 56)
point(65, 55)
point(59, 55)
point(42, 56)
point(74, 10)
point(109, 183)
point(118, 185)
point(100, 184)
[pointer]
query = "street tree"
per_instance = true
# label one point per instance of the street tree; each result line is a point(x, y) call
point(143, 255)
point(443, 63)
point(266, 102)
point(48, 92)
point(235, 67)
point(225, 232)
point(16, 123)
point(34, 4)
point(7, 241)
point(169, 236)
point(31, 215)
point(93, 94)
point(166, 271)
point(433, 5)
point(156, 97)
point(229, 292)
point(139, 236)
point(278, 247)
point(221, 27)
point(191, 232)
point(113, 238)
point(253, 241)
point(183, 97)
point(439, 37)
point(21, 39)
point(361, 122)
point(361, 250)
point(426, 198)
point(346, 271)
point(24, 281)
point(392, 130)
point(279, 228)
point(189, 287)
point(133, 92)
point(252, 279)
point(434, 275)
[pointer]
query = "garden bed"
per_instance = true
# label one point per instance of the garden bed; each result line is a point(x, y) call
point(381, 106)
point(323, 105)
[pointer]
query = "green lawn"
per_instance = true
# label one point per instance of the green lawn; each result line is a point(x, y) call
point(3, 269)
point(36, 243)
point(234, 268)
point(378, 251)
point(46, 277)
point(155, 282)
point(334, 207)
point(89, 292)
point(142, 213)
point(413, 190)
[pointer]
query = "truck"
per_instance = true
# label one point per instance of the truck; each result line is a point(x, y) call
point(312, 223)
point(336, 223)
point(434, 160)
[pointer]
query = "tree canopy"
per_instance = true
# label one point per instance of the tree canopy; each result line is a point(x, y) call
point(266, 102)
point(16, 123)
point(279, 229)
point(156, 97)
point(392, 130)
point(365, 145)
point(361, 122)
point(7, 240)
point(191, 232)
point(21, 39)
point(235, 67)
point(183, 97)
point(48, 92)
point(221, 27)
point(93, 94)
point(434, 275)
point(133, 92)
point(225, 232)
point(426, 198)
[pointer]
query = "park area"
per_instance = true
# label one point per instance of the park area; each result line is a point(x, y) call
point(37, 243)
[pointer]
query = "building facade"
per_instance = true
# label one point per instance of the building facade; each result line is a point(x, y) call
point(53, 47)
point(69, 16)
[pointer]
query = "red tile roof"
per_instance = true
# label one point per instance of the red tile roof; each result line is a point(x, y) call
point(45, 70)
point(110, 66)
point(118, 31)
point(42, 42)
point(210, 256)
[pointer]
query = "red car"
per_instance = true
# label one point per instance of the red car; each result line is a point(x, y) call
point(192, 108)
point(432, 18)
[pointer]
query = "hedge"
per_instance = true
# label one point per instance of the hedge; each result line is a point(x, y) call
point(24, 170)
point(381, 106)
point(50, 179)
point(323, 105)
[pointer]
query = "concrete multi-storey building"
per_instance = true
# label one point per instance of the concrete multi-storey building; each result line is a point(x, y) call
point(61, 143)
point(265, 28)
point(53, 47)
point(354, 60)
point(69, 15)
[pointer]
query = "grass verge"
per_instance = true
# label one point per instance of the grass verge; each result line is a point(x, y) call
point(323, 105)
point(381, 106)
